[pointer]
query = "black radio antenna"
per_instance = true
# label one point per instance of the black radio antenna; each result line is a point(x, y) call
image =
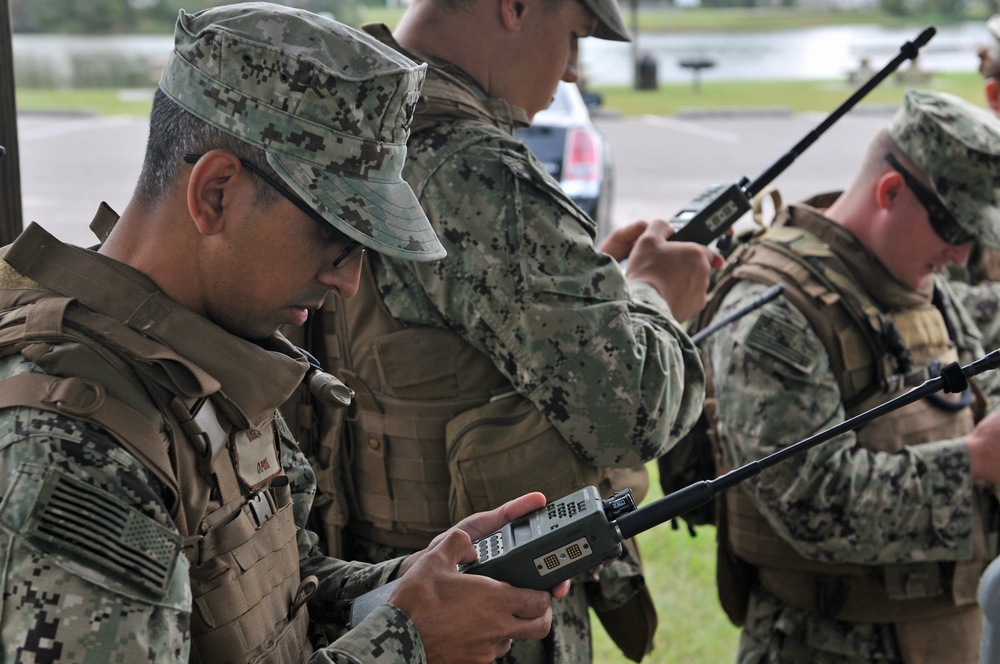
point(953, 379)
point(721, 205)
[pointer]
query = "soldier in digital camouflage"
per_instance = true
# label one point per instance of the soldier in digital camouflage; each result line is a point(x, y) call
point(153, 498)
point(527, 358)
point(977, 282)
point(868, 547)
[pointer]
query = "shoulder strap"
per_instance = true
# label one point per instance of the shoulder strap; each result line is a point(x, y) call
point(87, 400)
point(864, 347)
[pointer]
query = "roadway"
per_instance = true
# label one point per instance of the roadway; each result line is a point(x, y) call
point(70, 163)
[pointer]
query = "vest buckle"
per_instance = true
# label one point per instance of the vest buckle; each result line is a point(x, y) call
point(260, 507)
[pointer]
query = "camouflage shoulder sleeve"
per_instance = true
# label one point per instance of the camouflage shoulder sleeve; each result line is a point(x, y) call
point(982, 302)
point(385, 636)
point(837, 502)
point(523, 283)
point(971, 315)
point(93, 570)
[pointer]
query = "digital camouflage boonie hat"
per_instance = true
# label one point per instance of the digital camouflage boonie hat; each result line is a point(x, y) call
point(330, 105)
point(610, 24)
point(957, 146)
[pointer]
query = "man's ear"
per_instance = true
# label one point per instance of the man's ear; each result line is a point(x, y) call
point(887, 189)
point(211, 189)
point(992, 87)
point(512, 13)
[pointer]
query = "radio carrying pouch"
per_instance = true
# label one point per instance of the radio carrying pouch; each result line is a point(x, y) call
point(630, 624)
point(493, 456)
point(494, 452)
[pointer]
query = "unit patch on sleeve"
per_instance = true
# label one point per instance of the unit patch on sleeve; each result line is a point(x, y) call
point(783, 342)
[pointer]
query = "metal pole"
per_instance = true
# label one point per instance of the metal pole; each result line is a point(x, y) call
point(10, 176)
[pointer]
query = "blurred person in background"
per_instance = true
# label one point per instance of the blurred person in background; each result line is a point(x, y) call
point(977, 282)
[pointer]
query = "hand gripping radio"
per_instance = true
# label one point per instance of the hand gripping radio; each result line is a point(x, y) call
point(581, 531)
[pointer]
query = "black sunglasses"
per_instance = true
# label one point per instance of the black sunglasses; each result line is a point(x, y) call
point(942, 221)
point(352, 248)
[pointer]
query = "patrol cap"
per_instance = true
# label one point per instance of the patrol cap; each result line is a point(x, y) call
point(330, 105)
point(957, 146)
point(610, 24)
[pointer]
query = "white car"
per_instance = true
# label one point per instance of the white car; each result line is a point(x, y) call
point(574, 152)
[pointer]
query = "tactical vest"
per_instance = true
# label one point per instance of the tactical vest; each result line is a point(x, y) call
point(875, 357)
point(221, 475)
point(436, 432)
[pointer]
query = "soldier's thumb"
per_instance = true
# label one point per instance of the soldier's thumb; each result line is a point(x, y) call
point(457, 547)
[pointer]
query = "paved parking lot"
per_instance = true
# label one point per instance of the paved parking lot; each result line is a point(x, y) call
point(662, 163)
point(70, 163)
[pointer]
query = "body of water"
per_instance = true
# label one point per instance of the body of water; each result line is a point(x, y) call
point(829, 52)
point(808, 53)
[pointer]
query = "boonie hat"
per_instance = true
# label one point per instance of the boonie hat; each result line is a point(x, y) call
point(330, 106)
point(610, 24)
point(957, 146)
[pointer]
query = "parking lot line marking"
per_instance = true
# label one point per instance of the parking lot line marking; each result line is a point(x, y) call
point(72, 126)
point(692, 128)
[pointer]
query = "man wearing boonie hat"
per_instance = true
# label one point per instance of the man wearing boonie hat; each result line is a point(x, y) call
point(870, 546)
point(596, 374)
point(154, 502)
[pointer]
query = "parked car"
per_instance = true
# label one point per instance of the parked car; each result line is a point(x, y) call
point(574, 152)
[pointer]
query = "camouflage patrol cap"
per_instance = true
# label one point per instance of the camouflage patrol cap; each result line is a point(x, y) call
point(330, 106)
point(957, 146)
point(610, 24)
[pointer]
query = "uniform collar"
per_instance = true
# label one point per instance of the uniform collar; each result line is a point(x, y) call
point(864, 266)
point(450, 93)
point(249, 379)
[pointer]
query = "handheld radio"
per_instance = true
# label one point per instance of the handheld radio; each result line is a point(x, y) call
point(721, 205)
point(581, 531)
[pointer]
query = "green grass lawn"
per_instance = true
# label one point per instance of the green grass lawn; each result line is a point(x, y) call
point(797, 96)
point(680, 571)
point(668, 99)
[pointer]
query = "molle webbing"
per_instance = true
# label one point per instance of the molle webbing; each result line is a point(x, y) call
point(416, 468)
point(245, 578)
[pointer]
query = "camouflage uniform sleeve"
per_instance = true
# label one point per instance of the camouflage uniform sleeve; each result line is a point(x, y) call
point(75, 509)
point(967, 318)
point(385, 636)
point(609, 368)
point(837, 502)
point(982, 301)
